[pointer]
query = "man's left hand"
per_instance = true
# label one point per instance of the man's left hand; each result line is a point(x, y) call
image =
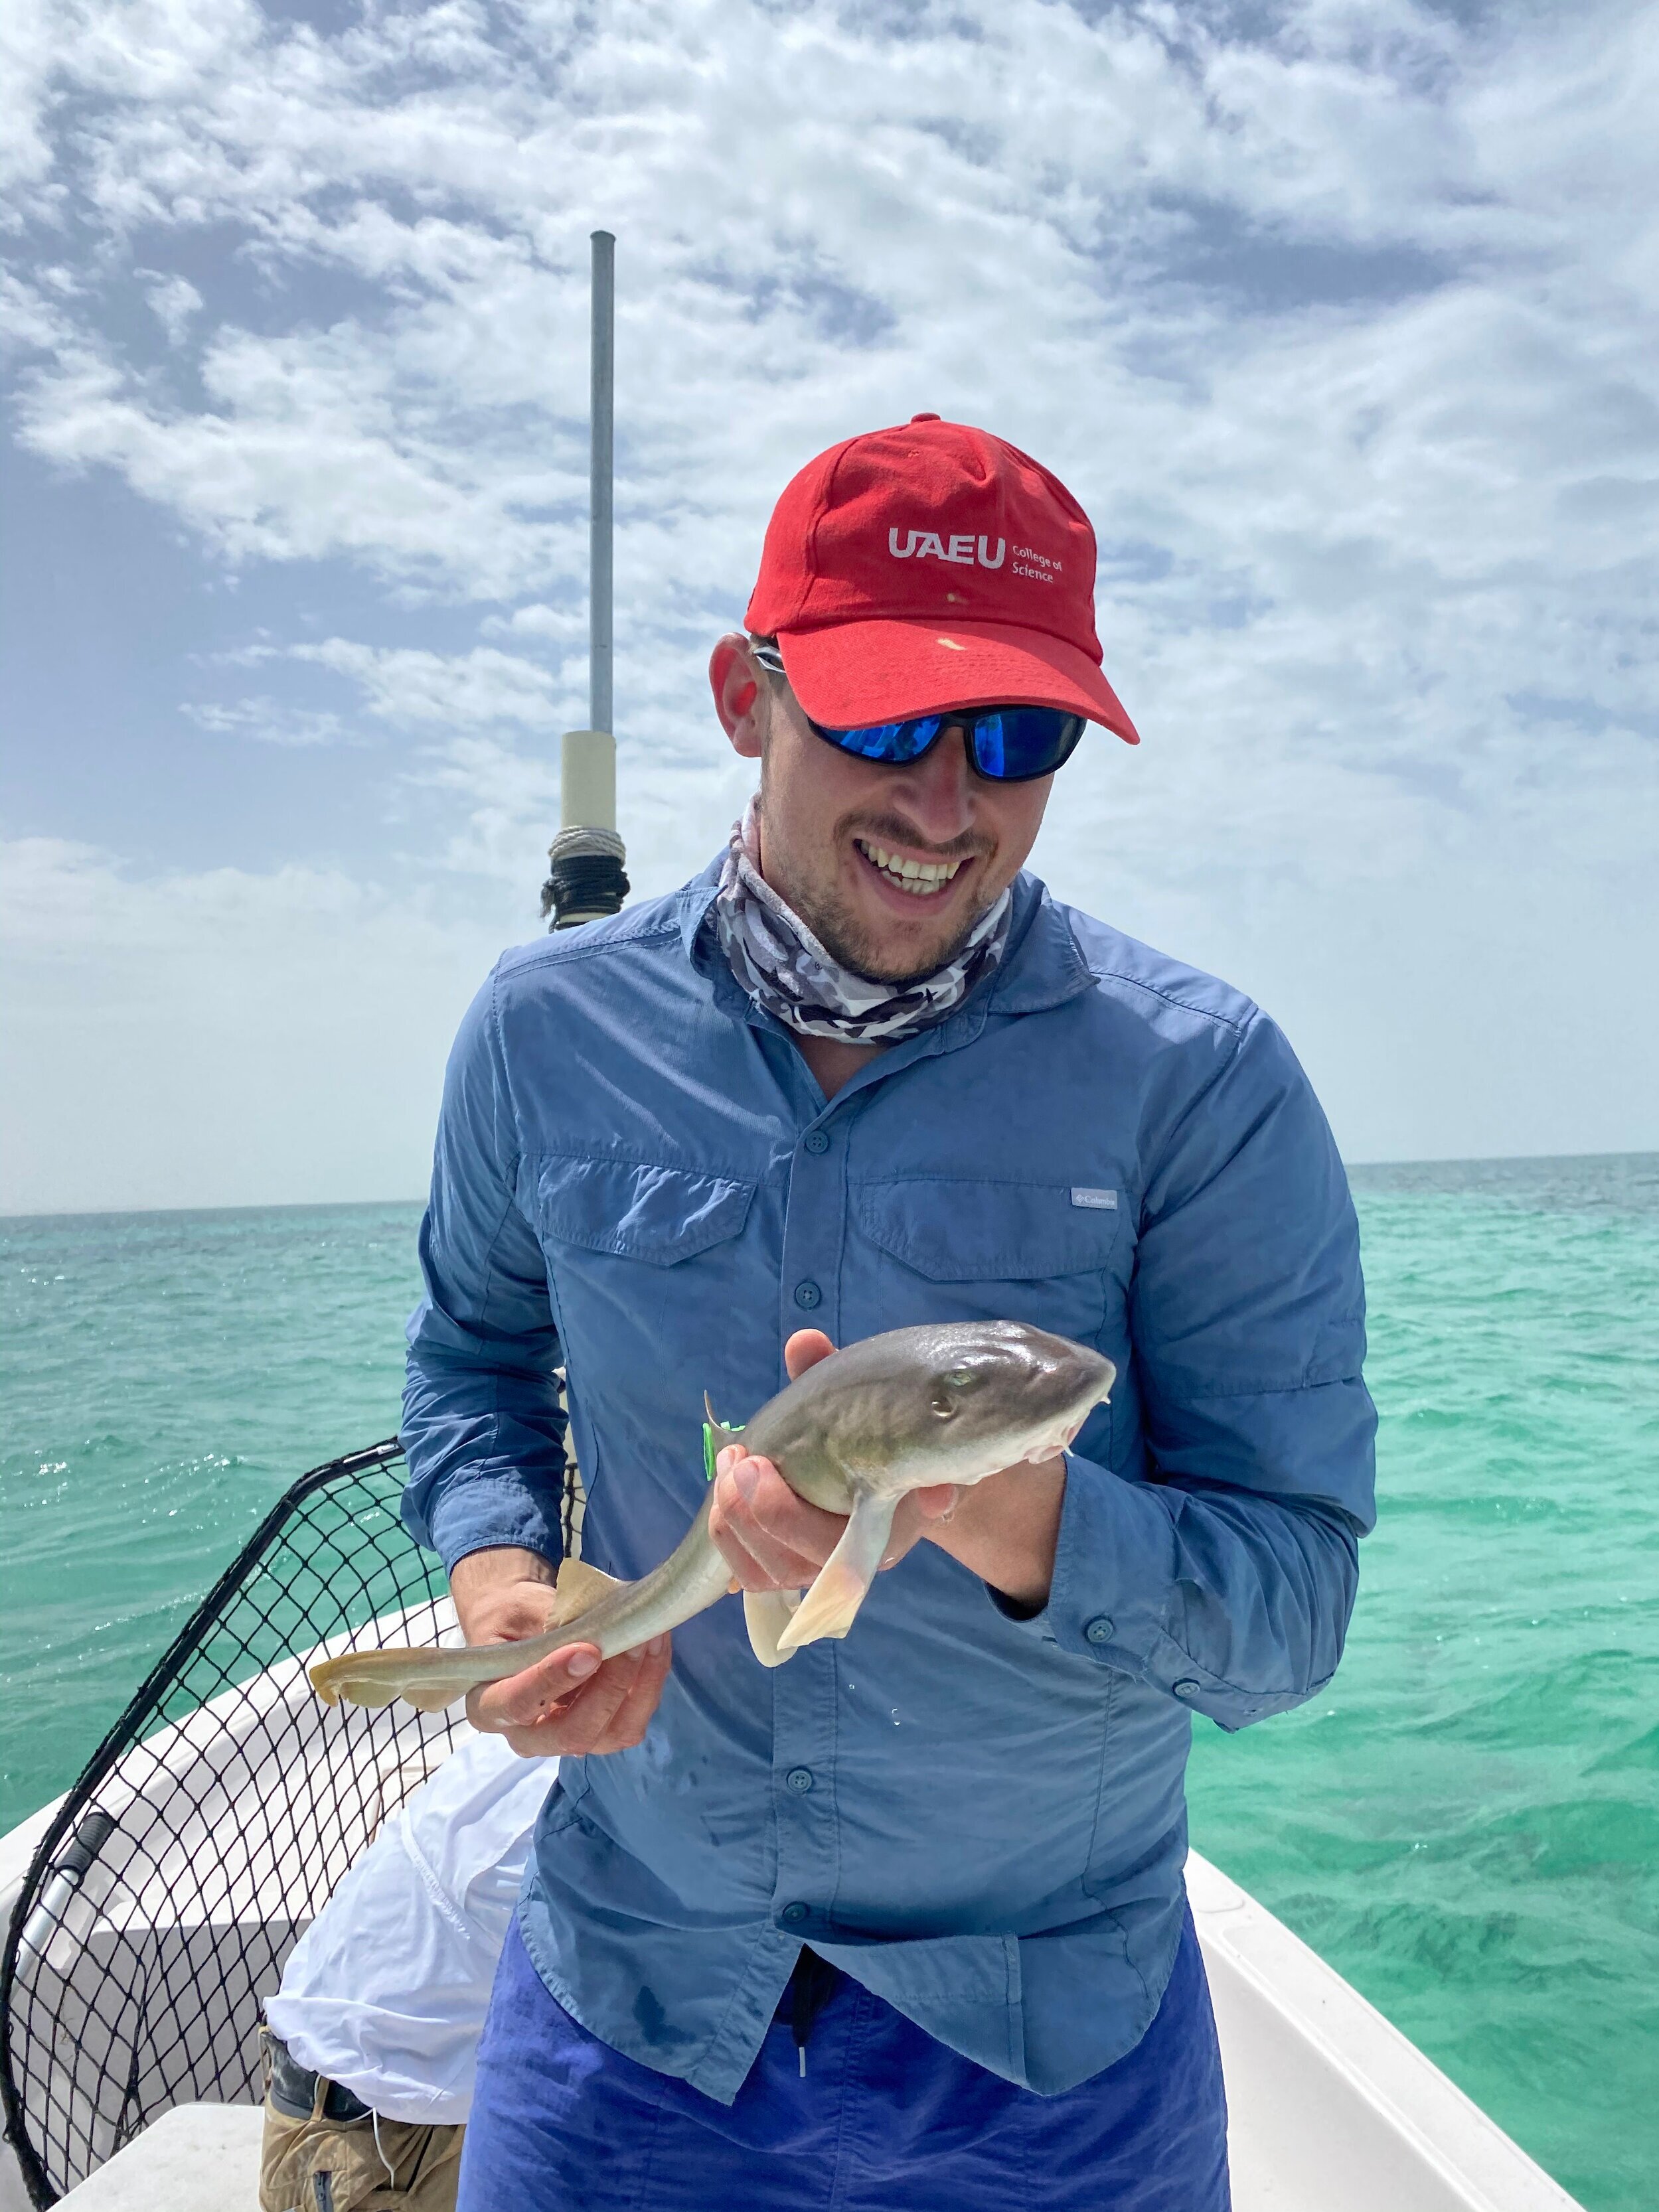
point(1003, 1529)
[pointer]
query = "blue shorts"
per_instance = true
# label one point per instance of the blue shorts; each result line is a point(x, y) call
point(884, 2120)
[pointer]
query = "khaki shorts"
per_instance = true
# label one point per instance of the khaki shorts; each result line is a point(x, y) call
point(319, 2165)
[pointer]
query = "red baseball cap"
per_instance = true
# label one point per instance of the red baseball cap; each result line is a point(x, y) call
point(931, 566)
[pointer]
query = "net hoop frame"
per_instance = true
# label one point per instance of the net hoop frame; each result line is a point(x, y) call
point(126, 1734)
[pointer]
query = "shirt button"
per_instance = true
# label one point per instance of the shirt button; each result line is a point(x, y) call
point(807, 1295)
point(815, 1140)
point(799, 1778)
point(1187, 1688)
point(794, 1914)
point(1099, 1630)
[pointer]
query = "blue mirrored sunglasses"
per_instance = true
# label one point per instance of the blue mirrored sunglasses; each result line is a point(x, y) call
point(1009, 744)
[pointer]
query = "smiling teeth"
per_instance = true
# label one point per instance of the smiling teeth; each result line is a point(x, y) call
point(922, 879)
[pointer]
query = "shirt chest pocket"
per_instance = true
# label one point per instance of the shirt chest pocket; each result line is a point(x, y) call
point(1038, 1252)
point(630, 1243)
point(634, 1210)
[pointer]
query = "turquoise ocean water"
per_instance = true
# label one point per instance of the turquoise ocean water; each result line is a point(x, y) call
point(1467, 1825)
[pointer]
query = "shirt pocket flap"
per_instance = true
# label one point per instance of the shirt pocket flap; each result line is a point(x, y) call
point(954, 1229)
point(638, 1211)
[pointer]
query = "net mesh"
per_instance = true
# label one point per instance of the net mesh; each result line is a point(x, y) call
point(210, 1827)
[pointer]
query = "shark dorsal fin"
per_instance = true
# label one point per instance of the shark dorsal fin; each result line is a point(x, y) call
point(579, 1588)
point(716, 1437)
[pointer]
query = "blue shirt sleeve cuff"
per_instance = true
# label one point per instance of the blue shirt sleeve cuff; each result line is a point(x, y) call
point(489, 1511)
point(1114, 1591)
point(1113, 1567)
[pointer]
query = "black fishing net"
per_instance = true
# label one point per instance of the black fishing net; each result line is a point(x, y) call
point(210, 1827)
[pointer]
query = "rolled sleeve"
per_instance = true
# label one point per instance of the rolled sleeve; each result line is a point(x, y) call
point(1227, 1577)
point(1233, 1605)
point(483, 1428)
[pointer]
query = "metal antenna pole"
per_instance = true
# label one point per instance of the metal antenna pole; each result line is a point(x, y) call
point(602, 464)
point(585, 875)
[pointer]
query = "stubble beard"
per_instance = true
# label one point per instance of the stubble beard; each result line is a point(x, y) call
point(831, 918)
point(833, 923)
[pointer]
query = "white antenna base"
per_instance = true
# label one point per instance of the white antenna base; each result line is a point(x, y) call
point(586, 878)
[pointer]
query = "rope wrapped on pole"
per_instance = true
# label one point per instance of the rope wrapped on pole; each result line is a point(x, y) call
point(586, 879)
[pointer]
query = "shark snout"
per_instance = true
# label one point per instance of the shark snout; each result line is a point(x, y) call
point(1081, 1380)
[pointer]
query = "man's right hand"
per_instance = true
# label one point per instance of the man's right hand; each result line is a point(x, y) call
point(572, 1701)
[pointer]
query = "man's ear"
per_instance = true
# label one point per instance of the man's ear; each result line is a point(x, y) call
point(739, 688)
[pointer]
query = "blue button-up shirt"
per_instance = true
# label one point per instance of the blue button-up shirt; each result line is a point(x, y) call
point(978, 1816)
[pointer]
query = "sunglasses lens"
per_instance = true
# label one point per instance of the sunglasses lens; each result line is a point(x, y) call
point(1010, 744)
point(894, 742)
point(1017, 742)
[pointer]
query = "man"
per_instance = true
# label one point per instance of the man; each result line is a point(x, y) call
point(901, 1924)
point(370, 2042)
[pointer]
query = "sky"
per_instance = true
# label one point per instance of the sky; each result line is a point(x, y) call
point(1341, 320)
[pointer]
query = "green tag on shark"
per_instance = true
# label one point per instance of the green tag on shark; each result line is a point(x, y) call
point(715, 1441)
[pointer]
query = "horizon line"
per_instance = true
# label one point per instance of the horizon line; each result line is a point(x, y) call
point(345, 1205)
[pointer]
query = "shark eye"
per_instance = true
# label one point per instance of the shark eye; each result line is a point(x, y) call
point(951, 1386)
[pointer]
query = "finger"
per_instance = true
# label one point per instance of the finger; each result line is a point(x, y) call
point(520, 1700)
point(547, 1741)
point(755, 1508)
point(769, 1515)
point(590, 1720)
point(747, 1571)
point(804, 1349)
point(583, 1721)
point(912, 1519)
point(754, 1492)
point(904, 1535)
point(757, 1519)
point(633, 1714)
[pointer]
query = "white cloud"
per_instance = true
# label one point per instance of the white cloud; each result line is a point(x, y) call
point(1345, 330)
point(410, 686)
point(174, 301)
point(270, 721)
point(306, 449)
point(28, 52)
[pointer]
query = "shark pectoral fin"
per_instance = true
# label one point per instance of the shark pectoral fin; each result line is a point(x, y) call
point(579, 1587)
point(766, 1614)
point(829, 1606)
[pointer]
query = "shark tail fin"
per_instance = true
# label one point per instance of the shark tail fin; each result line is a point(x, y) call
point(426, 1678)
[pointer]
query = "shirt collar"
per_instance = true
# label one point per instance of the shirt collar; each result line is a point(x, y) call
point(695, 898)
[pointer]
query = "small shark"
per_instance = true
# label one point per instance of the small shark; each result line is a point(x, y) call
point(952, 1401)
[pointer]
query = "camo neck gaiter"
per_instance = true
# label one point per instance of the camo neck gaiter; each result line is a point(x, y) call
point(784, 968)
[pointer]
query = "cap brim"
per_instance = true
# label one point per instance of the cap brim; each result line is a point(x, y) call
point(849, 675)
